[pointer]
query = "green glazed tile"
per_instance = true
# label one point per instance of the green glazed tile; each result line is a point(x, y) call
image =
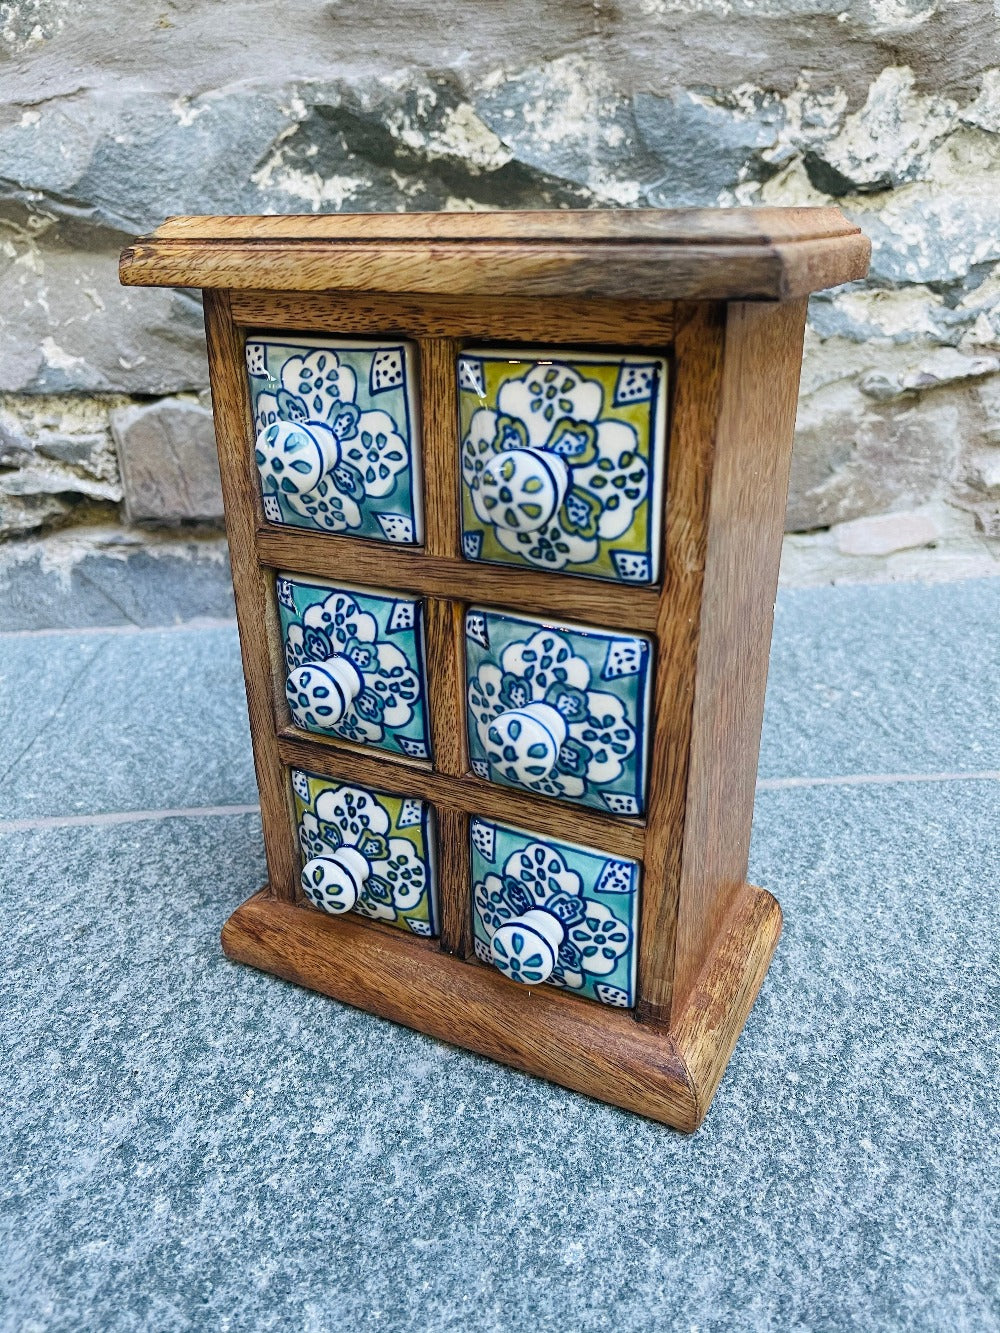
point(337, 435)
point(558, 709)
point(584, 902)
point(393, 835)
point(563, 458)
point(379, 638)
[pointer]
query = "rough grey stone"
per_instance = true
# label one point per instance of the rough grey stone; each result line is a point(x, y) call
point(168, 461)
point(84, 576)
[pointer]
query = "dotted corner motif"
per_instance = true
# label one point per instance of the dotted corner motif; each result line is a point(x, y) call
point(632, 568)
point(403, 616)
point(472, 545)
point(470, 375)
point(387, 372)
point(272, 510)
point(397, 528)
point(484, 839)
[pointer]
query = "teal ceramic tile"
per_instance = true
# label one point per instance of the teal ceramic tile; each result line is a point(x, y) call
point(355, 662)
point(558, 709)
point(337, 435)
point(563, 460)
point(550, 912)
point(366, 852)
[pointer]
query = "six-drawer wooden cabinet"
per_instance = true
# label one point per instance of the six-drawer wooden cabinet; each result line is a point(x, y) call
point(504, 499)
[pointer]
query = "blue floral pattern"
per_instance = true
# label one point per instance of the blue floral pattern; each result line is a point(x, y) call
point(577, 699)
point(594, 900)
point(562, 460)
point(381, 636)
point(336, 440)
point(392, 834)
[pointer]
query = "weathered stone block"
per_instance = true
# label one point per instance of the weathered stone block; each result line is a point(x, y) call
point(881, 534)
point(169, 467)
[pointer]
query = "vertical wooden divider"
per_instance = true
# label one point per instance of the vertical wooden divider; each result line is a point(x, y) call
point(255, 610)
point(444, 630)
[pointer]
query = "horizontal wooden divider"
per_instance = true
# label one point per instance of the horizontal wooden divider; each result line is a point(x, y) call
point(518, 319)
point(468, 794)
point(413, 571)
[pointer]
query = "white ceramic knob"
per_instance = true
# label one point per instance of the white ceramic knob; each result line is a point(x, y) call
point(526, 948)
point(292, 457)
point(334, 883)
point(522, 489)
point(320, 693)
point(524, 743)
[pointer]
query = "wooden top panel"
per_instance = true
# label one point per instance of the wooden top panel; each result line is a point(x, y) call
point(710, 254)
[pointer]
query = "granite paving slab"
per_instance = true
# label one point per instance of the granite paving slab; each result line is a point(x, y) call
point(104, 721)
point(191, 1144)
point(888, 678)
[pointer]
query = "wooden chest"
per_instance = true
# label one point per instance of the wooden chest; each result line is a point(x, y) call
point(504, 499)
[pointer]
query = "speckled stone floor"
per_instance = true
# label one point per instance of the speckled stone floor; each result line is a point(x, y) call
point(187, 1144)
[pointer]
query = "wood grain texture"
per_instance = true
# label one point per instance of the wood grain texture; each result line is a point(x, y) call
point(468, 794)
point(766, 272)
point(453, 857)
point(472, 319)
point(410, 570)
point(676, 226)
point(590, 1048)
point(256, 608)
point(753, 443)
point(698, 367)
point(441, 467)
point(708, 1023)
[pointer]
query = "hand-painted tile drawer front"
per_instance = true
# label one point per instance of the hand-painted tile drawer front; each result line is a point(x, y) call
point(563, 459)
point(366, 852)
point(551, 912)
point(558, 709)
point(355, 662)
point(337, 435)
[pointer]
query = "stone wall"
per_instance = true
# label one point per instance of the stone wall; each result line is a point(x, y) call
point(114, 116)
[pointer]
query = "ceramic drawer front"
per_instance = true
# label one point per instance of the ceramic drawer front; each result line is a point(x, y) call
point(354, 661)
point(547, 912)
point(558, 709)
point(563, 460)
point(337, 435)
point(366, 852)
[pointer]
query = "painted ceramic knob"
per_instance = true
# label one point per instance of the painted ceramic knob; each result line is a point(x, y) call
point(526, 948)
point(524, 743)
point(320, 693)
point(334, 883)
point(292, 457)
point(522, 489)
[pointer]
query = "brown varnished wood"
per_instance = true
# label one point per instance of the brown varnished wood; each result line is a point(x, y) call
point(439, 415)
point(405, 569)
point(712, 289)
point(765, 272)
point(676, 226)
point(256, 610)
point(599, 1051)
point(477, 319)
point(467, 793)
point(698, 361)
point(753, 443)
point(708, 1022)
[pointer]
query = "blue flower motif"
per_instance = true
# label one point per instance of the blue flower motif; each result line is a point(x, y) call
point(568, 700)
point(317, 645)
point(514, 691)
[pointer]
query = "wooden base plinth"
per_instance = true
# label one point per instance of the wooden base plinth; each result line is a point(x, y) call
point(667, 1074)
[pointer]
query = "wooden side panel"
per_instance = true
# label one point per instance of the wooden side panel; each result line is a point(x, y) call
point(753, 443)
point(698, 361)
point(260, 636)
